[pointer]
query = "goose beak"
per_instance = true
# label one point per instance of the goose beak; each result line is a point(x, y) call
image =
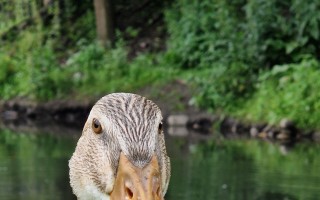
point(134, 183)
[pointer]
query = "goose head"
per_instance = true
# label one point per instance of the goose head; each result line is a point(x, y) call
point(121, 153)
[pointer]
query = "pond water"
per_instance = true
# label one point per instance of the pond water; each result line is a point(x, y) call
point(34, 166)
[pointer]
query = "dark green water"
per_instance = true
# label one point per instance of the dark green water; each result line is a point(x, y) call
point(34, 166)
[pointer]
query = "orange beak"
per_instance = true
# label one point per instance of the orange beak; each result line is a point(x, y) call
point(134, 183)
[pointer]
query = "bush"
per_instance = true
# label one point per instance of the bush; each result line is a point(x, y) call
point(222, 87)
point(281, 31)
point(210, 34)
point(236, 40)
point(90, 71)
point(256, 32)
point(287, 91)
point(92, 68)
point(35, 74)
point(205, 32)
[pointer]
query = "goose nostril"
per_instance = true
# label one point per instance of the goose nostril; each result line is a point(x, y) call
point(158, 192)
point(156, 186)
point(129, 193)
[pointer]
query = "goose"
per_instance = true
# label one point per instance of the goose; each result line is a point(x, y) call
point(121, 154)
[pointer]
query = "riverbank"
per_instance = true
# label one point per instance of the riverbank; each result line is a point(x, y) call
point(180, 116)
point(53, 62)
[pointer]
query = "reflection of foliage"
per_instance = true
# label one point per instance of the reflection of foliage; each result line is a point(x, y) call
point(241, 170)
point(271, 195)
point(34, 165)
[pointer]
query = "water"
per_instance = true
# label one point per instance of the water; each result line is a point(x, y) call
point(34, 166)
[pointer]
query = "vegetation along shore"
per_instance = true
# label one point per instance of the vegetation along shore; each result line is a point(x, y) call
point(254, 61)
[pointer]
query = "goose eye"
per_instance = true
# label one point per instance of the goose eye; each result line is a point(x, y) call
point(96, 126)
point(160, 127)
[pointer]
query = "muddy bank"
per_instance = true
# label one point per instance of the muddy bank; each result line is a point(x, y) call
point(22, 112)
point(180, 117)
point(22, 115)
point(171, 98)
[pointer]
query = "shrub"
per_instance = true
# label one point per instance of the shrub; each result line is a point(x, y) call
point(205, 32)
point(35, 74)
point(223, 87)
point(287, 91)
point(281, 31)
point(256, 32)
point(96, 71)
point(236, 40)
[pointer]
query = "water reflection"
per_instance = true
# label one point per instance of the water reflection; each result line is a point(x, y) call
point(34, 166)
point(245, 169)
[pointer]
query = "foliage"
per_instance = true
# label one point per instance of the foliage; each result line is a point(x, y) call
point(287, 91)
point(236, 40)
point(56, 55)
point(205, 32)
point(211, 34)
point(222, 87)
point(30, 68)
point(15, 13)
point(281, 31)
point(96, 71)
point(226, 49)
point(257, 32)
point(89, 71)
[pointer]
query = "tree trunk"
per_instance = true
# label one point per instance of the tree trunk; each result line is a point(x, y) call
point(104, 21)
